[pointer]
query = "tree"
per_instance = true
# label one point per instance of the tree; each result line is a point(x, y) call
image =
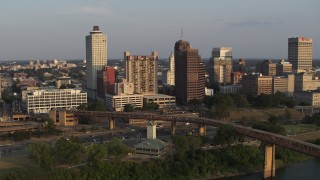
point(151, 106)
point(96, 106)
point(51, 127)
point(222, 111)
point(96, 154)
point(194, 103)
point(44, 154)
point(227, 135)
point(128, 108)
point(184, 144)
point(242, 101)
point(82, 107)
point(287, 114)
point(274, 128)
point(69, 151)
point(208, 101)
point(117, 148)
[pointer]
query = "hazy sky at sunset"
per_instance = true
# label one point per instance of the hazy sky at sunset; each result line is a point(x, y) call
point(49, 29)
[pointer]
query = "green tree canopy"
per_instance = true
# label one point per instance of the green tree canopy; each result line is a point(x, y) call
point(44, 154)
point(152, 106)
point(96, 106)
point(128, 108)
point(227, 135)
point(96, 154)
point(117, 148)
point(208, 101)
point(69, 151)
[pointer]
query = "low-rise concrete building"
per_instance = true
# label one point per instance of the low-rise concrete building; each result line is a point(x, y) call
point(161, 99)
point(63, 118)
point(117, 102)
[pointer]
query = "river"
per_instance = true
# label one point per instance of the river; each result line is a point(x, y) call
point(306, 170)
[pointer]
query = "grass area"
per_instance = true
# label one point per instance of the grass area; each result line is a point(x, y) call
point(308, 136)
point(300, 128)
point(13, 162)
point(260, 114)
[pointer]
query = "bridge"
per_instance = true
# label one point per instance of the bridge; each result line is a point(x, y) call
point(270, 138)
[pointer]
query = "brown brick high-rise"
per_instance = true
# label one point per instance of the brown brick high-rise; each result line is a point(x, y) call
point(189, 73)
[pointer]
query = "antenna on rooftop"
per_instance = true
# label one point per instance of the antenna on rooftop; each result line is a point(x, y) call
point(181, 33)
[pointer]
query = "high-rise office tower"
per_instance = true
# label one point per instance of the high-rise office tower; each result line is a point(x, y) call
point(189, 73)
point(96, 56)
point(300, 53)
point(142, 72)
point(222, 65)
point(170, 73)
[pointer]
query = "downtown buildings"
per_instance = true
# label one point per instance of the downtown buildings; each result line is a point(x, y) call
point(96, 57)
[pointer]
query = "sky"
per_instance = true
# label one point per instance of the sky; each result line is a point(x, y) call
point(56, 29)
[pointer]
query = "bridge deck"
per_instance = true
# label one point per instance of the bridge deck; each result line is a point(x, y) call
point(293, 144)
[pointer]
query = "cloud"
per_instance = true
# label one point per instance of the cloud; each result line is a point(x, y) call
point(251, 23)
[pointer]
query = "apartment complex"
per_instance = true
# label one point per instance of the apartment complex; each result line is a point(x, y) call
point(222, 65)
point(189, 73)
point(300, 53)
point(142, 72)
point(42, 101)
point(96, 57)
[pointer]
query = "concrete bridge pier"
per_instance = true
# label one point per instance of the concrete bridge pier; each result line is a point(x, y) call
point(173, 127)
point(202, 129)
point(112, 123)
point(269, 161)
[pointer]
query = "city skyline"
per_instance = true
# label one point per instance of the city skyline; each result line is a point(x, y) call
point(254, 29)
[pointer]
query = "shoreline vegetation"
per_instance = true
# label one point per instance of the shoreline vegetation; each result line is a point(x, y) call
point(188, 161)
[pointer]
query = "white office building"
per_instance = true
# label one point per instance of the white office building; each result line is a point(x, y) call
point(42, 101)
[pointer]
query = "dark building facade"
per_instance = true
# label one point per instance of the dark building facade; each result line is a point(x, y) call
point(189, 73)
